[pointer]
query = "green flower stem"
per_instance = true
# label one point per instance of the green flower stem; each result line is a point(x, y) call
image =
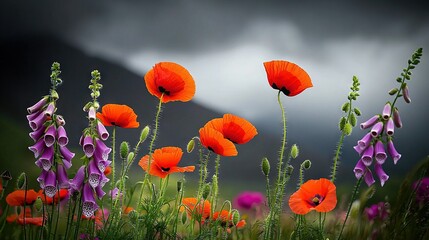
point(355, 192)
point(154, 135)
point(112, 184)
point(203, 173)
point(282, 149)
point(215, 186)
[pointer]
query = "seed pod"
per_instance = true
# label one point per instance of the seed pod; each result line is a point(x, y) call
point(306, 164)
point(190, 146)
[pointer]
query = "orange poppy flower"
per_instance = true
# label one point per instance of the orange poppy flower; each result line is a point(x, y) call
point(215, 141)
point(126, 209)
point(197, 208)
point(64, 193)
point(29, 219)
point(18, 198)
point(319, 195)
point(171, 81)
point(236, 129)
point(108, 170)
point(287, 77)
point(118, 115)
point(225, 217)
point(164, 161)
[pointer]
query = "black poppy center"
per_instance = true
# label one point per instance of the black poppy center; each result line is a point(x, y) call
point(317, 199)
point(163, 90)
point(165, 169)
point(283, 89)
point(210, 148)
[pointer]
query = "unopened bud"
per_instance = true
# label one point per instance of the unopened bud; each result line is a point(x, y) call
point(348, 129)
point(406, 94)
point(235, 217)
point(306, 164)
point(206, 190)
point(352, 119)
point(265, 166)
point(144, 133)
point(38, 204)
point(289, 170)
point(54, 95)
point(345, 107)
point(125, 147)
point(184, 217)
point(96, 105)
point(294, 151)
point(397, 118)
point(87, 106)
point(343, 121)
point(393, 91)
point(60, 120)
point(190, 146)
point(357, 111)
point(20, 183)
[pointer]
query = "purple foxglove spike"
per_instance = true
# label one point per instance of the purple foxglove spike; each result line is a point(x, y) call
point(36, 135)
point(104, 180)
point(89, 205)
point(66, 153)
point(41, 179)
point(359, 169)
point(376, 129)
point(38, 148)
point(63, 179)
point(94, 174)
point(60, 120)
point(392, 151)
point(91, 114)
point(380, 153)
point(37, 122)
point(50, 183)
point(365, 141)
point(101, 164)
point(358, 149)
point(406, 94)
point(49, 137)
point(36, 107)
point(397, 118)
point(62, 136)
point(49, 111)
point(88, 146)
point(389, 127)
point(77, 181)
point(102, 132)
point(370, 122)
point(381, 174)
point(99, 191)
point(101, 150)
point(367, 155)
point(34, 115)
point(47, 158)
point(386, 111)
point(369, 179)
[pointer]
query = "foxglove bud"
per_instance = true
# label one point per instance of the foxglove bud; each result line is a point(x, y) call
point(406, 94)
point(60, 120)
point(397, 118)
point(348, 128)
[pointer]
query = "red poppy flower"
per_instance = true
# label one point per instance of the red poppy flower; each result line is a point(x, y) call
point(215, 141)
point(319, 195)
point(164, 161)
point(225, 218)
point(171, 81)
point(287, 77)
point(236, 129)
point(29, 219)
point(118, 115)
point(197, 208)
point(107, 170)
point(18, 197)
point(64, 193)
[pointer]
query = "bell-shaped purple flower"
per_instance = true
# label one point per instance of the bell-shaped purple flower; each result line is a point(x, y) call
point(381, 174)
point(104, 180)
point(99, 192)
point(367, 155)
point(392, 151)
point(91, 114)
point(359, 169)
point(102, 164)
point(370, 122)
point(49, 111)
point(380, 154)
point(67, 155)
point(60, 120)
point(389, 127)
point(78, 179)
point(88, 146)
point(49, 137)
point(369, 179)
point(36, 107)
point(50, 183)
point(102, 131)
point(358, 149)
point(41, 179)
point(376, 129)
point(94, 174)
point(38, 148)
point(63, 140)
point(36, 135)
point(101, 150)
point(397, 118)
point(46, 160)
point(386, 111)
point(37, 122)
point(365, 141)
point(33, 116)
point(63, 179)
point(114, 193)
point(89, 205)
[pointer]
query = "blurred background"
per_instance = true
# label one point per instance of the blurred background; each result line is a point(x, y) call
point(223, 44)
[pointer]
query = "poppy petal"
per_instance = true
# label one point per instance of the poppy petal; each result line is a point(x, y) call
point(215, 141)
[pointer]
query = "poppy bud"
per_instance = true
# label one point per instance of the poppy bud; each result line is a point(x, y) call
point(235, 217)
point(294, 151)
point(184, 217)
point(265, 166)
point(206, 190)
point(289, 170)
point(125, 147)
point(38, 204)
point(130, 157)
point(190, 146)
point(348, 129)
point(306, 164)
point(20, 183)
point(345, 107)
point(144, 133)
